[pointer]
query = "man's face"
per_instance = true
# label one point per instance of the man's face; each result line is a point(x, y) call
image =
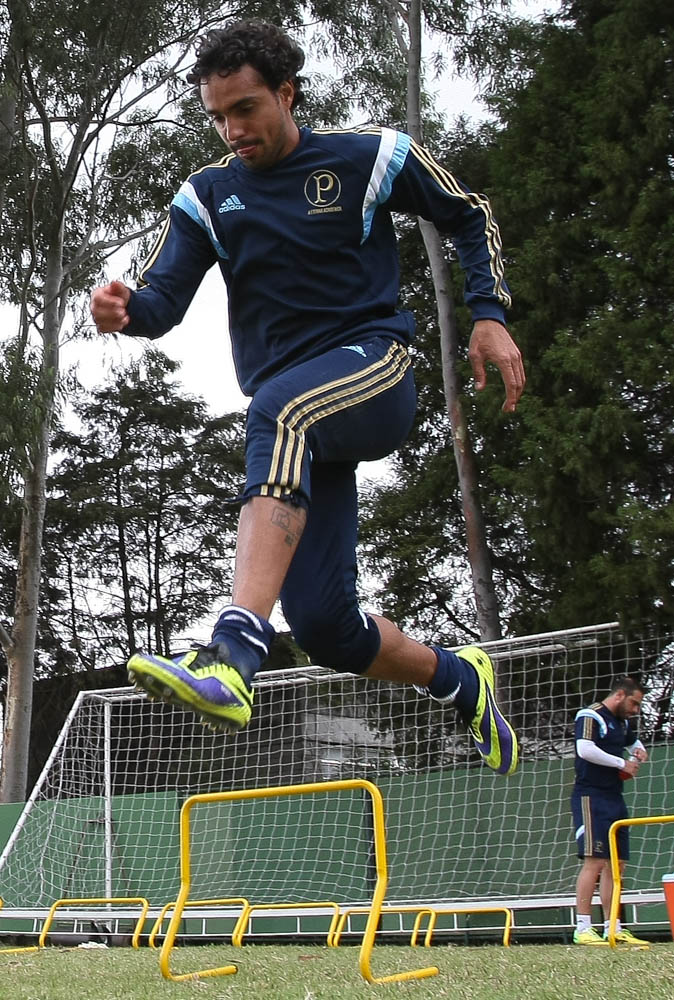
point(254, 121)
point(629, 705)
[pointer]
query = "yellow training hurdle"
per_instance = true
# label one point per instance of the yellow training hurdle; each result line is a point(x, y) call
point(432, 913)
point(102, 900)
point(194, 902)
point(314, 788)
point(421, 912)
point(244, 919)
point(615, 864)
point(15, 951)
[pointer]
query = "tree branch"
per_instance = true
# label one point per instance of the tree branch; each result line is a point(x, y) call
point(6, 641)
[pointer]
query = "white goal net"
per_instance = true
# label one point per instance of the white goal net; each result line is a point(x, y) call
point(103, 817)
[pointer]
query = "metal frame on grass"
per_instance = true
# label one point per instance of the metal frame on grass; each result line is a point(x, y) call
point(615, 865)
point(99, 901)
point(197, 902)
point(313, 788)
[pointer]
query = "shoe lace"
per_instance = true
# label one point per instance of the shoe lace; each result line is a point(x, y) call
point(207, 662)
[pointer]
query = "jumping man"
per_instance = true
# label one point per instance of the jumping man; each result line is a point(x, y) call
point(299, 222)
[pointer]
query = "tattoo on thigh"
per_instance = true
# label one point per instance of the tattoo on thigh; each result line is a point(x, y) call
point(289, 522)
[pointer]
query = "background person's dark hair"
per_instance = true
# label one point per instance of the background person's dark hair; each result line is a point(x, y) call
point(263, 46)
point(627, 684)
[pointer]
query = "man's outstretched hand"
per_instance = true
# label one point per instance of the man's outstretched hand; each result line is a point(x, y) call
point(490, 341)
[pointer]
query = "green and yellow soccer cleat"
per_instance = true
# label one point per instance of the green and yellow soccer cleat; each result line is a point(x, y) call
point(625, 937)
point(202, 680)
point(589, 937)
point(491, 732)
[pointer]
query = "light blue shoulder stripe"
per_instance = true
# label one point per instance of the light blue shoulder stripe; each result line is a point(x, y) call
point(188, 201)
point(391, 156)
point(589, 713)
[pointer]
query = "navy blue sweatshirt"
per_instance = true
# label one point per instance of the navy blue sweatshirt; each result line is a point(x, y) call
point(308, 250)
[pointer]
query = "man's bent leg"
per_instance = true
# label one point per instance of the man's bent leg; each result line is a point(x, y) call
point(464, 679)
point(320, 602)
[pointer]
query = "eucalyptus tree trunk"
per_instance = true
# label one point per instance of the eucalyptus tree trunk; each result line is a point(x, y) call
point(478, 551)
point(124, 562)
point(65, 221)
point(19, 646)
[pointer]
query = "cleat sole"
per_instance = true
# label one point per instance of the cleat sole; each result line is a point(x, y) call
point(182, 695)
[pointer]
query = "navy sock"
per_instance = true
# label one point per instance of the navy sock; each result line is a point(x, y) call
point(455, 677)
point(247, 637)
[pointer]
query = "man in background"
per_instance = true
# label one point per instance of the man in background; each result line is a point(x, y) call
point(604, 732)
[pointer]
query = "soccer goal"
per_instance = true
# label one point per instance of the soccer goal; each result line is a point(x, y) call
point(102, 820)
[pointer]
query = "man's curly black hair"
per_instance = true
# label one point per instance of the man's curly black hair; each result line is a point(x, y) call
point(263, 46)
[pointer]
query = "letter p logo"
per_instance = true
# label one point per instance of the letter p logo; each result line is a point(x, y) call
point(322, 188)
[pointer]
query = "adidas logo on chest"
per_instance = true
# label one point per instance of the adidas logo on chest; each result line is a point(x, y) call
point(231, 204)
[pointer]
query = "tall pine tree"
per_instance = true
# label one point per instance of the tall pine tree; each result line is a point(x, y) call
point(577, 488)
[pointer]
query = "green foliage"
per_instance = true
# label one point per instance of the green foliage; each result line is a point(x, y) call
point(96, 132)
point(585, 188)
point(576, 488)
point(19, 383)
point(140, 523)
point(363, 39)
point(104, 130)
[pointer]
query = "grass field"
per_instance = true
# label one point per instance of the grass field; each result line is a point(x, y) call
point(290, 972)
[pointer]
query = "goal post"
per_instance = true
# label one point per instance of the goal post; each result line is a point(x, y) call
point(103, 819)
